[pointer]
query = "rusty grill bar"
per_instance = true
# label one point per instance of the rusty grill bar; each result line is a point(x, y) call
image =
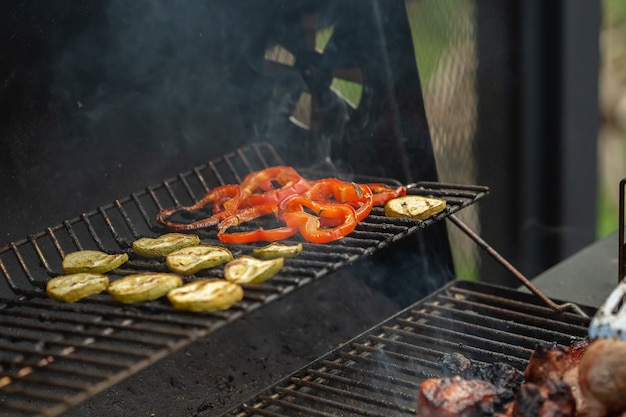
point(54, 355)
point(379, 372)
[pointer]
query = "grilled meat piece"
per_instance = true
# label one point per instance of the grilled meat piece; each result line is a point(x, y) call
point(549, 386)
point(456, 397)
point(560, 364)
point(551, 399)
point(500, 374)
point(602, 377)
point(552, 362)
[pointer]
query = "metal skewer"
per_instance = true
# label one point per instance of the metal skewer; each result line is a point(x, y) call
point(491, 251)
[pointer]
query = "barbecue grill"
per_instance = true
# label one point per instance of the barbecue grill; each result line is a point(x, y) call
point(328, 87)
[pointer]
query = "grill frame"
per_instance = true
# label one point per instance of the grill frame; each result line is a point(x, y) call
point(56, 355)
point(385, 360)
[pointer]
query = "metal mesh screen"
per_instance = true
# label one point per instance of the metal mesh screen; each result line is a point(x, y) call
point(445, 48)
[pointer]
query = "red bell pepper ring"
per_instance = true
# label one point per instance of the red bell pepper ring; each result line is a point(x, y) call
point(330, 190)
point(342, 217)
point(247, 214)
point(385, 192)
point(226, 199)
point(287, 178)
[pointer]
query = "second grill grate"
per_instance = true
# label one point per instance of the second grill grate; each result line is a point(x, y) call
point(379, 372)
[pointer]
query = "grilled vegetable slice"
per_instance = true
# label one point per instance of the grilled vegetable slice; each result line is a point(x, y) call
point(92, 261)
point(143, 287)
point(277, 250)
point(73, 287)
point(206, 295)
point(249, 270)
point(414, 207)
point(154, 247)
point(192, 259)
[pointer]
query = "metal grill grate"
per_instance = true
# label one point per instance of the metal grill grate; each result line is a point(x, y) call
point(379, 372)
point(54, 355)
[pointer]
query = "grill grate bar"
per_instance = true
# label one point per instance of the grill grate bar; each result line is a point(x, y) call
point(452, 339)
point(359, 384)
point(376, 363)
point(291, 406)
point(360, 374)
point(326, 390)
point(480, 332)
point(390, 355)
point(532, 316)
point(55, 370)
point(397, 355)
point(321, 401)
point(15, 408)
point(515, 330)
point(539, 310)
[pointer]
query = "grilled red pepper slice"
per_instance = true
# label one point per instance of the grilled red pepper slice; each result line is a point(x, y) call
point(247, 214)
point(260, 187)
point(331, 190)
point(385, 192)
point(226, 199)
point(342, 217)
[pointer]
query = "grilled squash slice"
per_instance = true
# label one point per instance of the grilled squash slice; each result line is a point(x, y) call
point(414, 207)
point(93, 261)
point(189, 260)
point(249, 270)
point(277, 250)
point(206, 295)
point(154, 247)
point(73, 287)
point(144, 286)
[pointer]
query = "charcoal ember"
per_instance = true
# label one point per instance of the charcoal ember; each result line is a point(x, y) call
point(455, 364)
point(500, 374)
point(550, 399)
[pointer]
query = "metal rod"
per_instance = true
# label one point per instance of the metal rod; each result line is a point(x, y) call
point(620, 266)
point(491, 251)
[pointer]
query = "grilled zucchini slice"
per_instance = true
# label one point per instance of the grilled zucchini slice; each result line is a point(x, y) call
point(414, 207)
point(93, 261)
point(249, 270)
point(73, 287)
point(154, 247)
point(189, 260)
point(206, 295)
point(277, 250)
point(144, 286)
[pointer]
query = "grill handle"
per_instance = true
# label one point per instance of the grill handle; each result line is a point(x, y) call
point(491, 251)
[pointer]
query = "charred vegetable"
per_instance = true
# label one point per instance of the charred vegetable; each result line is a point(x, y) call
point(192, 259)
point(143, 287)
point(164, 244)
point(73, 287)
point(249, 270)
point(414, 207)
point(206, 295)
point(277, 250)
point(92, 261)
